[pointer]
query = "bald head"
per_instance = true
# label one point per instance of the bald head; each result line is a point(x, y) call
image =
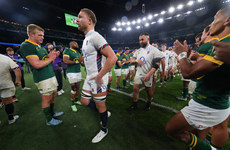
point(73, 45)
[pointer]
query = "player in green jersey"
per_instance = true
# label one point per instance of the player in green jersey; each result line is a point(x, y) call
point(40, 64)
point(73, 59)
point(210, 104)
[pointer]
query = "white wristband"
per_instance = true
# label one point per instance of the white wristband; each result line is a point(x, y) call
point(77, 61)
point(182, 55)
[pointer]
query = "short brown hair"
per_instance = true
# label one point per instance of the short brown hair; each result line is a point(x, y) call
point(90, 14)
point(32, 27)
point(206, 29)
point(198, 36)
point(9, 49)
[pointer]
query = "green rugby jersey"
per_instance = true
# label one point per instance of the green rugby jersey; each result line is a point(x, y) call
point(131, 55)
point(118, 60)
point(73, 56)
point(126, 58)
point(204, 48)
point(213, 90)
point(31, 49)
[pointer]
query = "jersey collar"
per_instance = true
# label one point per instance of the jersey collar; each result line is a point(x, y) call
point(72, 49)
point(89, 33)
point(118, 54)
point(225, 37)
point(212, 39)
point(31, 42)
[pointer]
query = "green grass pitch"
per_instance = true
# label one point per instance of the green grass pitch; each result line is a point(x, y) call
point(136, 130)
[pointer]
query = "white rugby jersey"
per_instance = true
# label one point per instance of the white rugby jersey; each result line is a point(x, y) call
point(166, 54)
point(92, 45)
point(5, 77)
point(172, 57)
point(146, 55)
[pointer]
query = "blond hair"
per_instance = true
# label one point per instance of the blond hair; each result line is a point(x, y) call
point(32, 27)
point(90, 14)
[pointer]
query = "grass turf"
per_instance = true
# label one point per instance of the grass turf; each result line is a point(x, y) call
point(127, 130)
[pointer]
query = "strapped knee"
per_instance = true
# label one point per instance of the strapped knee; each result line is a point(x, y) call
point(100, 99)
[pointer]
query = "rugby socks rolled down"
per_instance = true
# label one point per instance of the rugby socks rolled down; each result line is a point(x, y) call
point(92, 105)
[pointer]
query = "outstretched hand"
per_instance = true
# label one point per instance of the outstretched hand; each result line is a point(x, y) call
point(179, 48)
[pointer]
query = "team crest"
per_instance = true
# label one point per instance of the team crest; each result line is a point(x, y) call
point(147, 52)
point(87, 42)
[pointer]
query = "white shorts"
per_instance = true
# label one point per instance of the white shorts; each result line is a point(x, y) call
point(74, 77)
point(117, 72)
point(140, 79)
point(6, 93)
point(125, 72)
point(48, 86)
point(191, 86)
point(110, 73)
point(166, 68)
point(90, 85)
point(202, 117)
point(132, 67)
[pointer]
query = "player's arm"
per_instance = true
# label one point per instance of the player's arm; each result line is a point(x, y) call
point(66, 60)
point(222, 51)
point(155, 65)
point(18, 75)
point(192, 71)
point(81, 60)
point(37, 63)
point(110, 61)
point(133, 60)
point(119, 63)
point(163, 64)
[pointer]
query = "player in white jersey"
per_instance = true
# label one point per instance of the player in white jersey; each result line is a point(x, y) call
point(7, 88)
point(95, 50)
point(172, 62)
point(164, 73)
point(147, 59)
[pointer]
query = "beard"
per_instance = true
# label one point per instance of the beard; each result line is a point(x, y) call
point(143, 45)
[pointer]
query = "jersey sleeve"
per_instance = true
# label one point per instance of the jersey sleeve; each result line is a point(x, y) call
point(28, 51)
point(66, 53)
point(158, 54)
point(99, 42)
point(13, 65)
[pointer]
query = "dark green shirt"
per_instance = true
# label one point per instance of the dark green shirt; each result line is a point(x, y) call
point(118, 60)
point(31, 49)
point(125, 57)
point(213, 90)
point(73, 56)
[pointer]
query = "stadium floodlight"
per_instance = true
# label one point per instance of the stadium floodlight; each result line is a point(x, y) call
point(171, 9)
point(153, 22)
point(119, 29)
point(147, 24)
point(161, 20)
point(138, 20)
point(133, 22)
point(114, 29)
point(128, 23)
point(178, 15)
point(155, 15)
point(123, 23)
point(128, 29)
point(180, 6)
point(118, 23)
point(190, 3)
point(188, 12)
point(150, 17)
point(200, 1)
point(168, 18)
point(163, 12)
point(144, 19)
point(138, 27)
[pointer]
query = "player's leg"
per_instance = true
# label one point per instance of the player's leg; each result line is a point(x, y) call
point(52, 102)
point(77, 93)
point(136, 87)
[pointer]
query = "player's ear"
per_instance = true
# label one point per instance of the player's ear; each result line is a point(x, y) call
point(227, 21)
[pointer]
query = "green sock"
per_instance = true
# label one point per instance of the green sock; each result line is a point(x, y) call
point(124, 83)
point(185, 92)
point(48, 116)
point(197, 143)
point(109, 86)
point(208, 138)
point(52, 109)
point(73, 100)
